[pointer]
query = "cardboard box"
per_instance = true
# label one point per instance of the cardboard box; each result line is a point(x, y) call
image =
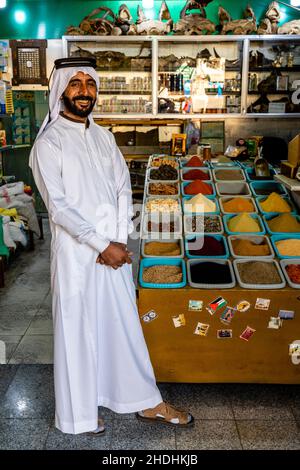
point(288, 169)
point(294, 151)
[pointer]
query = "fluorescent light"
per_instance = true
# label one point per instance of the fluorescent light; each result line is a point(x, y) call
point(20, 16)
point(2, 3)
point(295, 3)
point(147, 4)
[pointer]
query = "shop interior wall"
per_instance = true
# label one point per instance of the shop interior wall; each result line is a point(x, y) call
point(48, 19)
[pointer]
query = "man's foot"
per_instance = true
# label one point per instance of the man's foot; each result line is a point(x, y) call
point(100, 429)
point(166, 414)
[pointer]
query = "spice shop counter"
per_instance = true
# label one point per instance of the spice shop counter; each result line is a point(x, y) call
point(222, 351)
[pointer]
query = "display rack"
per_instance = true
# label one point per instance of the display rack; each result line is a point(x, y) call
point(225, 102)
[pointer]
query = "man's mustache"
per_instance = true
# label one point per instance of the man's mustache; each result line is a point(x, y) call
point(81, 98)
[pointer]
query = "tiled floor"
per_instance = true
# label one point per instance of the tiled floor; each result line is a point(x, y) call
point(227, 416)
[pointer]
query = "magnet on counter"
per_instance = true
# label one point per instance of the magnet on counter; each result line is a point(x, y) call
point(201, 329)
point(243, 306)
point(247, 333)
point(275, 323)
point(179, 320)
point(149, 316)
point(262, 304)
point(227, 315)
point(294, 349)
point(286, 314)
point(224, 334)
point(195, 305)
point(216, 305)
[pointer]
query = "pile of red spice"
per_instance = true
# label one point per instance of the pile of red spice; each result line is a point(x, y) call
point(194, 161)
point(197, 187)
point(195, 175)
point(293, 271)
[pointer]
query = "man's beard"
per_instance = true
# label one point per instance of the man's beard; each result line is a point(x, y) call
point(72, 108)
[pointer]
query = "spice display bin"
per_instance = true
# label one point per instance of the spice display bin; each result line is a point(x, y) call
point(250, 175)
point(209, 196)
point(238, 262)
point(277, 238)
point(192, 262)
point(148, 262)
point(228, 188)
point(150, 180)
point(237, 170)
point(157, 218)
point(179, 241)
point(270, 186)
point(148, 194)
point(187, 224)
point(229, 198)
point(266, 219)
point(219, 238)
point(207, 171)
point(254, 238)
point(226, 219)
point(163, 198)
point(284, 263)
point(183, 161)
point(260, 199)
point(185, 210)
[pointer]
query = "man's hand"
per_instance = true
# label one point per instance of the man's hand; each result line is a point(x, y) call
point(115, 255)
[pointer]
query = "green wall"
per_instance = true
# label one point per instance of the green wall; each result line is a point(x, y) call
point(50, 18)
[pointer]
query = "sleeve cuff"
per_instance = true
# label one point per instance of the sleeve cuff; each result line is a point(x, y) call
point(98, 243)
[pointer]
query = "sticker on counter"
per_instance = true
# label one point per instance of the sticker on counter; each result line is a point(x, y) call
point(216, 305)
point(227, 315)
point(262, 304)
point(224, 334)
point(149, 316)
point(179, 320)
point(286, 314)
point(195, 305)
point(275, 323)
point(201, 329)
point(247, 333)
point(243, 306)
point(294, 349)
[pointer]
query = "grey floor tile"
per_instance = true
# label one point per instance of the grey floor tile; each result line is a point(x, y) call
point(15, 309)
point(291, 396)
point(132, 434)
point(11, 343)
point(15, 324)
point(267, 435)
point(204, 401)
point(23, 434)
point(250, 401)
point(34, 349)
point(209, 435)
point(23, 295)
point(40, 325)
point(30, 393)
point(7, 373)
point(57, 440)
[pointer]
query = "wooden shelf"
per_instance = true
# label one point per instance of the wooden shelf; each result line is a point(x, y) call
point(124, 92)
point(277, 92)
point(269, 68)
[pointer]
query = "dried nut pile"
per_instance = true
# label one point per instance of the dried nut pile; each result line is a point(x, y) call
point(164, 172)
point(162, 274)
point(156, 162)
point(162, 227)
point(163, 189)
point(162, 205)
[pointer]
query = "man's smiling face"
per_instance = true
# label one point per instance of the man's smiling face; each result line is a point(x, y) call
point(80, 95)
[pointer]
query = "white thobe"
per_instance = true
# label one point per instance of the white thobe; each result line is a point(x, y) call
point(100, 355)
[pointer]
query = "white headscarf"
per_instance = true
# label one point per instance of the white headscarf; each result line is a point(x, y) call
point(61, 78)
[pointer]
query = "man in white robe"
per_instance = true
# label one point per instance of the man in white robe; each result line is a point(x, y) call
point(100, 355)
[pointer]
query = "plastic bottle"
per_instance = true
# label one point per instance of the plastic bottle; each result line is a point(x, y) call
point(2, 97)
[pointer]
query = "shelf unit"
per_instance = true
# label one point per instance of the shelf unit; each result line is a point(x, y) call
point(154, 45)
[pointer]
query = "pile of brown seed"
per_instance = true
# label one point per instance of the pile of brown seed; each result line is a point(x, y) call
point(162, 274)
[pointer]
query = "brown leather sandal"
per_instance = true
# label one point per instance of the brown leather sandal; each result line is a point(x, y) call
point(164, 413)
point(100, 429)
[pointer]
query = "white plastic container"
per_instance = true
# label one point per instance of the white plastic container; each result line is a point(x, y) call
point(236, 170)
point(192, 262)
point(228, 198)
point(253, 238)
point(230, 188)
point(162, 195)
point(179, 241)
point(238, 262)
point(284, 263)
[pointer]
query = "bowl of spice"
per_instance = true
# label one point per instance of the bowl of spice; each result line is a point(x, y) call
point(193, 161)
point(157, 225)
point(198, 187)
point(162, 204)
point(251, 176)
point(228, 188)
point(233, 205)
point(200, 204)
point(224, 174)
point(275, 203)
point(191, 174)
point(291, 271)
point(162, 188)
point(163, 173)
point(206, 246)
point(162, 273)
point(243, 223)
point(264, 188)
point(212, 274)
point(286, 246)
point(250, 246)
point(162, 248)
point(199, 224)
point(156, 161)
point(259, 274)
point(282, 224)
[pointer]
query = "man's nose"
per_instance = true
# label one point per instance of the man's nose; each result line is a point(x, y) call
point(84, 89)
